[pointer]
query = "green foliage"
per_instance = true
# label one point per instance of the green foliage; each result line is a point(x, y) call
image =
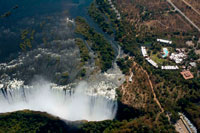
point(156, 47)
point(99, 18)
point(139, 125)
point(31, 122)
point(126, 112)
point(130, 40)
point(83, 50)
point(27, 39)
point(124, 65)
point(191, 110)
point(65, 75)
point(63, 78)
point(192, 55)
point(83, 72)
point(9, 13)
point(99, 44)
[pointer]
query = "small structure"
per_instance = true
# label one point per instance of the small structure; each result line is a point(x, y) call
point(184, 67)
point(190, 43)
point(180, 50)
point(69, 20)
point(193, 64)
point(187, 75)
point(152, 62)
point(144, 51)
point(130, 78)
point(164, 41)
point(169, 67)
point(197, 51)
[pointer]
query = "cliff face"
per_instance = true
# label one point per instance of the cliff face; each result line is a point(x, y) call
point(32, 121)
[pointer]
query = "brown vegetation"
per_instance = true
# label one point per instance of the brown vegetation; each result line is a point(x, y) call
point(188, 11)
point(158, 18)
point(138, 92)
point(194, 3)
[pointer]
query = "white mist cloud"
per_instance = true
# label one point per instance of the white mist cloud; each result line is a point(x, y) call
point(78, 106)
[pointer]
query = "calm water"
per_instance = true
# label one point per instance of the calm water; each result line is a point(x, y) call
point(43, 16)
point(166, 52)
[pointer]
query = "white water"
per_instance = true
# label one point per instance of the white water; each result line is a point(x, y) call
point(77, 106)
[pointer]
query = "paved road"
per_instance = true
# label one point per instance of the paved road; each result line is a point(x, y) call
point(190, 21)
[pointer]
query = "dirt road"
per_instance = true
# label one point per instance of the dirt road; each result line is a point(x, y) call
point(177, 9)
point(188, 4)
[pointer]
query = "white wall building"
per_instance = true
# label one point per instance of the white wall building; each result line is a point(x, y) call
point(169, 67)
point(193, 64)
point(144, 51)
point(152, 62)
point(178, 58)
point(164, 41)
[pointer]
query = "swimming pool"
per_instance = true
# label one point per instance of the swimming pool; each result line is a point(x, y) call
point(166, 52)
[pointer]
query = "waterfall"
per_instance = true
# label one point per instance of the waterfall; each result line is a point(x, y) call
point(66, 104)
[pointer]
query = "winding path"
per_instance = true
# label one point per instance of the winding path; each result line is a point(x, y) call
point(152, 89)
point(154, 95)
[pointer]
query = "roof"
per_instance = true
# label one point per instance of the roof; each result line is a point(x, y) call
point(170, 67)
point(152, 62)
point(187, 75)
point(164, 41)
point(193, 64)
point(144, 52)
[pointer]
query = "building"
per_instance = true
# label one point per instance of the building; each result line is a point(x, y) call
point(178, 58)
point(164, 41)
point(193, 64)
point(187, 75)
point(169, 67)
point(152, 62)
point(144, 51)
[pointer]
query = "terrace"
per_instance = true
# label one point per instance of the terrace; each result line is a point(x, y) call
point(187, 75)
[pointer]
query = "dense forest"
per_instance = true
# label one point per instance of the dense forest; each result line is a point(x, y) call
point(175, 93)
point(84, 52)
point(100, 19)
point(97, 42)
point(31, 122)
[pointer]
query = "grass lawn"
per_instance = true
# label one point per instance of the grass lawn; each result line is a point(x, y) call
point(158, 60)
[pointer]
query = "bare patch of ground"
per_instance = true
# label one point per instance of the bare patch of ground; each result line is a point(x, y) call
point(158, 18)
point(180, 127)
point(139, 92)
point(195, 4)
